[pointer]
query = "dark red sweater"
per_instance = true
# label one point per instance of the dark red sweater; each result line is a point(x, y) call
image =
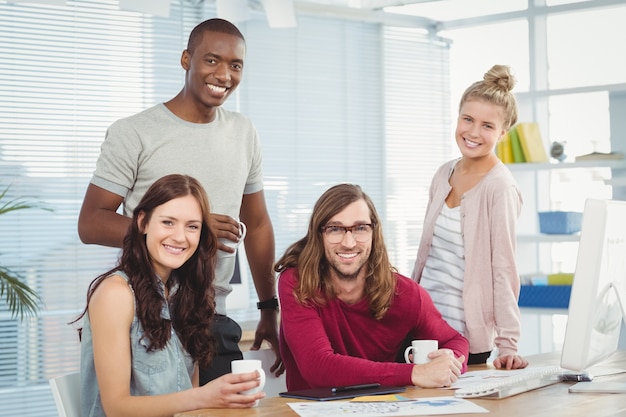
point(340, 344)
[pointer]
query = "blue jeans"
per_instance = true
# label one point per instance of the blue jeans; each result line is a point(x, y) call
point(478, 358)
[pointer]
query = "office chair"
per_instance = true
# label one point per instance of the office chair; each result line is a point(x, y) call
point(273, 385)
point(66, 392)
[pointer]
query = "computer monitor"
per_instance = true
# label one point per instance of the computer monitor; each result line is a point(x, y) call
point(597, 302)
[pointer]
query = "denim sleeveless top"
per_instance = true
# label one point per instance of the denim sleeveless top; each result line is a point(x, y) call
point(153, 373)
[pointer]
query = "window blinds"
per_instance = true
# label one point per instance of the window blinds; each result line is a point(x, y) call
point(66, 73)
point(333, 100)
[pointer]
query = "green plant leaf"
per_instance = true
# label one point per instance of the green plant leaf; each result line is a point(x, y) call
point(16, 204)
point(22, 300)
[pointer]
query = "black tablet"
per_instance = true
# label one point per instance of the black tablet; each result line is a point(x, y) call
point(329, 394)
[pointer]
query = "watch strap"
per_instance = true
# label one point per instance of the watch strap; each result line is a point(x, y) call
point(271, 304)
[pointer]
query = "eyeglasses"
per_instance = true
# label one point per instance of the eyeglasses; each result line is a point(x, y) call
point(360, 232)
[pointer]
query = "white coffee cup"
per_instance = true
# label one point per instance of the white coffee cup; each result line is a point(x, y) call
point(243, 366)
point(242, 234)
point(421, 349)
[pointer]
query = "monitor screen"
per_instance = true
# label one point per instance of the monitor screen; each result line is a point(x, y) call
point(598, 297)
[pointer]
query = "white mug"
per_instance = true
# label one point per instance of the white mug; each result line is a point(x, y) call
point(242, 366)
point(421, 349)
point(242, 234)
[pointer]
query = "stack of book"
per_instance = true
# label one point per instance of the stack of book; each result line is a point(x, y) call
point(599, 156)
point(522, 143)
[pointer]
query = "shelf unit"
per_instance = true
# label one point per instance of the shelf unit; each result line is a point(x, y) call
point(546, 187)
point(539, 238)
point(538, 166)
point(558, 186)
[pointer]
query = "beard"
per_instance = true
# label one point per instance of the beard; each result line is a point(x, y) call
point(344, 276)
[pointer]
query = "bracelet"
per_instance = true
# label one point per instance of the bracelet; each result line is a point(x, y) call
point(271, 304)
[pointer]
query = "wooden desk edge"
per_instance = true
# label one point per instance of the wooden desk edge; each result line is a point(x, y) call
point(553, 400)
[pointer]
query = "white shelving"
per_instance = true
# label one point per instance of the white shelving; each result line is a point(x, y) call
point(546, 187)
point(539, 238)
point(539, 166)
point(558, 186)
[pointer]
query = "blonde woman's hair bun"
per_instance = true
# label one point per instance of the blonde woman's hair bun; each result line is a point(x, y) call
point(501, 77)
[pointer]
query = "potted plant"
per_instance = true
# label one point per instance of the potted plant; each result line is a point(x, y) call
point(20, 298)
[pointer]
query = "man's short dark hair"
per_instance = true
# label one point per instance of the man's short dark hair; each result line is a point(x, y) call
point(211, 25)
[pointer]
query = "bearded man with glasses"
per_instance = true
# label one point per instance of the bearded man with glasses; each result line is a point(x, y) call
point(346, 313)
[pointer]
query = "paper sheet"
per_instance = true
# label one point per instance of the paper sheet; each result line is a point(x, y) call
point(415, 407)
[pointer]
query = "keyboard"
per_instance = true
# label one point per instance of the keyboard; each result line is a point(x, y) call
point(504, 386)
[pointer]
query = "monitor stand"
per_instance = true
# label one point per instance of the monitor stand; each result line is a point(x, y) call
point(591, 380)
point(599, 387)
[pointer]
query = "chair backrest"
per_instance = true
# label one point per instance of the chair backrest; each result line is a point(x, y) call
point(66, 392)
point(273, 385)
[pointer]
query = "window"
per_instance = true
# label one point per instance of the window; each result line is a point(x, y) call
point(333, 100)
point(582, 48)
point(591, 132)
point(458, 9)
point(477, 49)
point(571, 81)
point(356, 103)
point(65, 74)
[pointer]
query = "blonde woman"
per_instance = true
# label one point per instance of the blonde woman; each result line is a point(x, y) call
point(466, 256)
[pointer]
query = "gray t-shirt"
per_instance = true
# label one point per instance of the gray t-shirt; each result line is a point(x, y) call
point(224, 155)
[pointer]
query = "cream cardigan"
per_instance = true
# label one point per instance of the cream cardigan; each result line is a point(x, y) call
point(489, 214)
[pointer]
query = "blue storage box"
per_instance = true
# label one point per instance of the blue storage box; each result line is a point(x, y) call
point(560, 222)
point(544, 296)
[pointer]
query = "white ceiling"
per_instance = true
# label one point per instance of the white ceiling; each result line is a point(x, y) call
point(363, 4)
point(361, 10)
point(366, 10)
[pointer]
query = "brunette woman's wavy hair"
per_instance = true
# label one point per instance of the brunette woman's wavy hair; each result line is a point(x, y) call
point(192, 306)
point(308, 256)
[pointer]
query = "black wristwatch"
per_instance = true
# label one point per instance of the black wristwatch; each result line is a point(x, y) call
point(271, 304)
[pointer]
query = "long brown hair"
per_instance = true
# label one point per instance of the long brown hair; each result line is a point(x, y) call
point(307, 254)
point(495, 88)
point(192, 306)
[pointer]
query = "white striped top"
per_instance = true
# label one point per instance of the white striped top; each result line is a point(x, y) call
point(443, 272)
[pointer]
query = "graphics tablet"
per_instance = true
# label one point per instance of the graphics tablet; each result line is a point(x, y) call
point(327, 394)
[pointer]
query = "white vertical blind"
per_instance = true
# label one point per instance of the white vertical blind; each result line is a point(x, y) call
point(333, 100)
point(339, 101)
point(315, 95)
point(417, 133)
point(66, 73)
